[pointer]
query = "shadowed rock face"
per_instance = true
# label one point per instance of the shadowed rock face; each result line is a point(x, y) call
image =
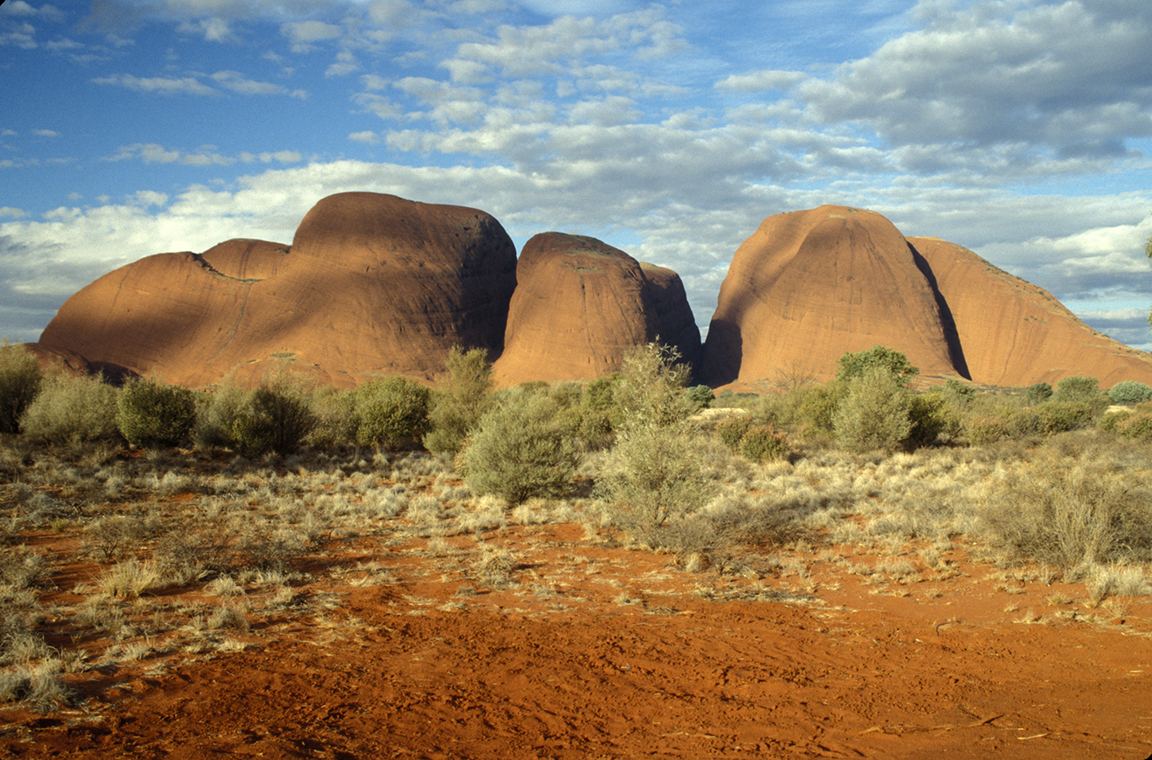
point(1017, 334)
point(580, 305)
point(809, 286)
point(372, 284)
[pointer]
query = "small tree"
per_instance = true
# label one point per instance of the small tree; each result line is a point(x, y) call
point(654, 474)
point(392, 412)
point(520, 449)
point(151, 413)
point(460, 401)
point(20, 379)
point(895, 362)
point(1077, 388)
point(276, 419)
point(875, 413)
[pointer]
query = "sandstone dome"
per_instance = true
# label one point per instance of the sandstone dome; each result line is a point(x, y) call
point(580, 305)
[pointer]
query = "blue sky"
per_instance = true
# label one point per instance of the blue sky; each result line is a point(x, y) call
point(1021, 130)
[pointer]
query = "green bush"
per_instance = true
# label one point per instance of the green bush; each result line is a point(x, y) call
point(931, 414)
point(1062, 416)
point(217, 415)
point(520, 450)
point(391, 413)
point(1038, 393)
point(818, 406)
point(1129, 393)
point(1077, 389)
point(762, 442)
point(20, 380)
point(701, 396)
point(654, 475)
point(335, 412)
point(460, 401)
point(1110, 422)
point(857, 365)
point(732, 431)
point(1136, 425)
point(276, 418)
point(874, 414)
point(153, 414)
point(70, 409)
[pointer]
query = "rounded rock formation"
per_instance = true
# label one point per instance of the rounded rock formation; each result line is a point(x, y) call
point(580, 305)
point(373, 284)
point(810, 286)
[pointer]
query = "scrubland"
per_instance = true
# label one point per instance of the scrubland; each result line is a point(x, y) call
point(149, 529)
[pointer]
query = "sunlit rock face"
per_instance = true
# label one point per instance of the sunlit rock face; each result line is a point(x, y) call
point(1017, 334)
point(580, 305)
point(372, 284)
point(809, 286)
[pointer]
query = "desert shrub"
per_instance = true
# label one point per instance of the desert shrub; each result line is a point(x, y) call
point(654, 475)
point(651, 389)
point(1067, 511)
point(655, 472)
point(1129, 393)
point(985, 428)
point(1110, 422)
point(1038, 393)
point(931, 414)
point(701, 396)
point(521, 449)
point(761, 442)
point(70, 409)
point(391, 413)
point(818, 406)
point(277, 418)
point(857, 364)
point(335, 412)
point(216, 417)
point(732, 430)
point(1077, 388)
point(20, 379)
point(874, 414)
point(149, 413)
point(460, 401)
point(1061, 416)
point(1136, 425)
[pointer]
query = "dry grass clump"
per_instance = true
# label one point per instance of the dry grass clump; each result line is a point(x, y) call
point(494, 566)
point(1070, 511)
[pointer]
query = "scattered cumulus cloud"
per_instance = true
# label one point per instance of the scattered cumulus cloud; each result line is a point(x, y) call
point(159, 85)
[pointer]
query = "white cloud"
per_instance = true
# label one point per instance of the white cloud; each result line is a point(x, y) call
point(303, 34)
point(12, 213)
point(45, 133)
point(238, 83)
point(761, 81)
point(161, 85)
point(212, 29)
point(368, 138)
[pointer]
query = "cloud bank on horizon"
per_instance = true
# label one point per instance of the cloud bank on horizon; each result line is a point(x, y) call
point(1018, 128)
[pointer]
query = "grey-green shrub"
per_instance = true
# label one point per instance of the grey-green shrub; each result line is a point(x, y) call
point(392, 412)
point(335, 412)
point(1129, 393)
point(655, 472)
point(216, 416)
point(70, 409)
point(520, 450)
point(853, 365)
point(460, 401)
point(20, 380)
point(149, 413)
point(1077, 388)
point(874, 414)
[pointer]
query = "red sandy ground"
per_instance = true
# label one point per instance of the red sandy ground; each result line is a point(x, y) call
point(601, 652)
